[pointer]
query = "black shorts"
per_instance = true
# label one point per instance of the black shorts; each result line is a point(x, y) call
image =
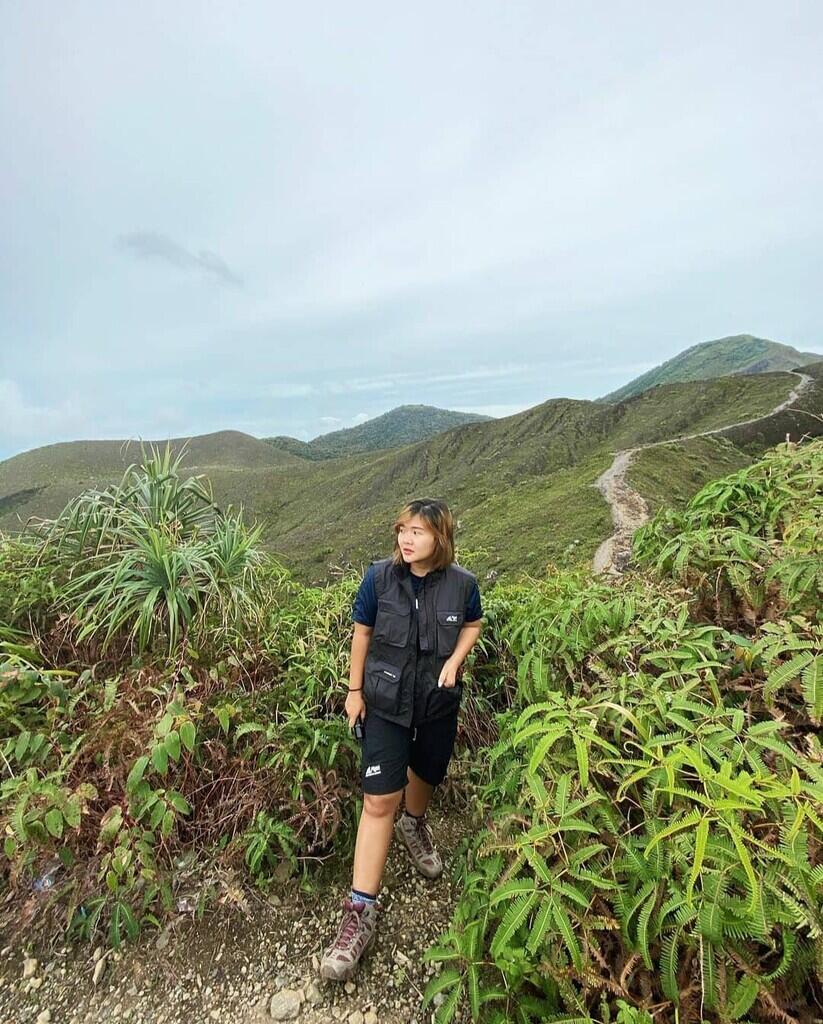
point(388, 749)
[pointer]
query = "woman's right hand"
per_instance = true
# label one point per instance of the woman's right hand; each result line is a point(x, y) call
point(355, 707)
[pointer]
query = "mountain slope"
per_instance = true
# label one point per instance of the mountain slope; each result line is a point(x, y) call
point(520, 487)
point(738, 354)
point(403, 425)
point(41, 481)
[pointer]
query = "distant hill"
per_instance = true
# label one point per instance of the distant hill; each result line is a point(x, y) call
point(520, 487)
point(42, 480)
point(738, 354)
point(403, 425)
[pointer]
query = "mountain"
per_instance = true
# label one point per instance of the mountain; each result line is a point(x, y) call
point(403, 425)
point(41, 481)
point(520, 487)
point(738, 354)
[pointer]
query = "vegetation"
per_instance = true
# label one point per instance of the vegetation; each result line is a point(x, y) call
point(169, 701)
point(740, 353)
point(645, 769)
point(653, 809)
point(525, 470)
point(671, 474)
point(400, 426)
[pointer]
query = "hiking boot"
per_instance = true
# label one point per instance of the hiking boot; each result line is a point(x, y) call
point(416, 837)
point(354, 936)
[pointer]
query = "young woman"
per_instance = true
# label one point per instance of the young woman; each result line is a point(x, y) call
point(416, 617)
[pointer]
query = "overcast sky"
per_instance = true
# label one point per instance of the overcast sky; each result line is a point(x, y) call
point(287, 218)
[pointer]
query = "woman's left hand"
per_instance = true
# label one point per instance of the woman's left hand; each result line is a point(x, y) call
point(450, 673)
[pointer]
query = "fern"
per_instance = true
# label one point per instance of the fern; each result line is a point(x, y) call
point(813, 688)
point(514, 917)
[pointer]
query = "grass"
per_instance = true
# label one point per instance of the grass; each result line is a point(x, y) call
point(741, 353)
point(638, 764)
point(671, 474)
point(532, 470)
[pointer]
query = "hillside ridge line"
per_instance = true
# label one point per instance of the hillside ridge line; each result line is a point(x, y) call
point(629, 508)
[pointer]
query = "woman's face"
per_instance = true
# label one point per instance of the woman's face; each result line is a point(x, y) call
point(416, 540)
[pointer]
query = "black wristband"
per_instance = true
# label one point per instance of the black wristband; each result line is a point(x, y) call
point(357, 689)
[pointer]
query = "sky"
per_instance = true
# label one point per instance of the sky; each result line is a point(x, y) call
point(290, 218)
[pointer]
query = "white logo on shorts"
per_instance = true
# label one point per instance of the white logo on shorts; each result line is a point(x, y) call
point(373, 769)
point(451, 618)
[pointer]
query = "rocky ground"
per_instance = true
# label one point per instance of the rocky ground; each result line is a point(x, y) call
point(629, 512)
point(253, 968)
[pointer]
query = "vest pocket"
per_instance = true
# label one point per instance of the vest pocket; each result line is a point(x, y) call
point(443, 700)
point(449, 624)
point(381, 687)
point(391, 625)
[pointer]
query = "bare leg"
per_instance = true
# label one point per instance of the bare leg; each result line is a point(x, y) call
point(373, 838)
point(418, 794)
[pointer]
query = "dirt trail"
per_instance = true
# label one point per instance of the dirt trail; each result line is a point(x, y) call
point(629, 509)
point(249, 968)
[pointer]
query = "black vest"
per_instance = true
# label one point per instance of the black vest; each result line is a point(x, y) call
point(400, 681)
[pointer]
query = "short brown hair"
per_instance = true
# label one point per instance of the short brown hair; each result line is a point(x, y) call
point(440, 521)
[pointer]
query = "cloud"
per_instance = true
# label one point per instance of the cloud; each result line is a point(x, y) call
point(496, 411)
point(424, 378)
point(24, 420)
point(149, 245)
point(287, 390)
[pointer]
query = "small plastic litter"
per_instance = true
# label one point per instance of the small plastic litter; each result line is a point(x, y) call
point(46, 880)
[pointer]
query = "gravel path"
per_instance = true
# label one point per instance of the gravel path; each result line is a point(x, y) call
point(629, 509)
point(235, 968)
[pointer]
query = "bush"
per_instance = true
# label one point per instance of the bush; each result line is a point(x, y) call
point(153, 557)
point(652, 813)
point(211, 734)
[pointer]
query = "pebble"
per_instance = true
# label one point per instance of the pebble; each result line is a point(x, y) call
point(44, 1017)
point(313, 993)
point(29, 967)
point(285, 1004)
point(99, 967)
point(240, 983)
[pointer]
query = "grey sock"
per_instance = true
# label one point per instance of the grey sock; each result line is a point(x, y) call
point(356, 896)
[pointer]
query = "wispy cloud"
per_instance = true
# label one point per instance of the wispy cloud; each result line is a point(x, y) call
point(24, 418)
point(425, 378)
point(150, 245)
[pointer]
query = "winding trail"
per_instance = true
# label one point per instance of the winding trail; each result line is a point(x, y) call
point(630, 510)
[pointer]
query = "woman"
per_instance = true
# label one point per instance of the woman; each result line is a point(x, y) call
point(417, 614)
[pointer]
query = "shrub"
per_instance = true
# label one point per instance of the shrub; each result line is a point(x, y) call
point(652, 813)
point(152, 557)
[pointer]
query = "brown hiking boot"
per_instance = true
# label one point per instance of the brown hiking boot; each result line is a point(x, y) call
point(416, 837)
point(354, 936)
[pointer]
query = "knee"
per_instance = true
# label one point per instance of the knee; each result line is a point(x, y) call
point(382, 805)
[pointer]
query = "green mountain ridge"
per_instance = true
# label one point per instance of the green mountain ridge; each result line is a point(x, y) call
point(736, 354)
point(521, 486)
point(403, 425)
